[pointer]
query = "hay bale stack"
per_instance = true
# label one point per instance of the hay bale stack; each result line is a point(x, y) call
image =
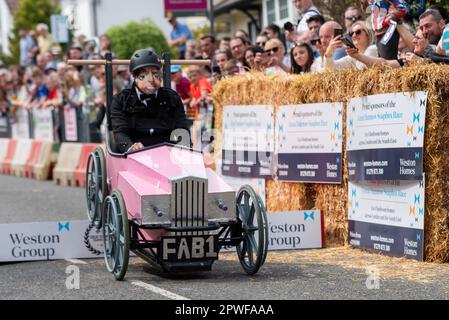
point(342, 86)
point(285, 196)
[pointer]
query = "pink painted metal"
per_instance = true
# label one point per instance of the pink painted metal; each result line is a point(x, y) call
point(149, 172)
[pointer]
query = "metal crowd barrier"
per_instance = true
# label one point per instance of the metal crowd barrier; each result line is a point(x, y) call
point(67, 124)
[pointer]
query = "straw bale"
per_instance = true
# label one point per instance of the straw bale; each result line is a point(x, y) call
point(340, 87)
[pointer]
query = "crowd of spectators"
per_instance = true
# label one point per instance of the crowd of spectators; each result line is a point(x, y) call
point(390, 33)
point(375, 33)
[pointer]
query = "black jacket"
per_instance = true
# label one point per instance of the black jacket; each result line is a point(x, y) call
point(132, 121)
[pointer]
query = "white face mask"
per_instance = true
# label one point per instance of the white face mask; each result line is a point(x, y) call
point(149, 82)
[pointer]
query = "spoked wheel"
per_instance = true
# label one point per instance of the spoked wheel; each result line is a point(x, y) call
point(116, 235)
point(252, 251)
point(96, 187)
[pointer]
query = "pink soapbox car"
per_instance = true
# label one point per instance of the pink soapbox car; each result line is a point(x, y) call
point(166, 206)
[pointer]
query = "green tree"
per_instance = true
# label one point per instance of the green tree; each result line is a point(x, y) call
point(126, 39)
point(28, 14)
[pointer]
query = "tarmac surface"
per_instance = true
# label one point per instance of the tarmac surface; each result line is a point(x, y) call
point(331, 273)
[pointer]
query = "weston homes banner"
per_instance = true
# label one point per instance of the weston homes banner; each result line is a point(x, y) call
point(385, 136)
point(309, 142)
point(236, 183)
point(387, 217)
point(248, 141)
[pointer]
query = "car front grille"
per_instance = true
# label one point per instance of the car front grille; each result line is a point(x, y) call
point(189, 201)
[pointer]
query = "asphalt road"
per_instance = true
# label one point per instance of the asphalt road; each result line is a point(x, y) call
point(331, 273)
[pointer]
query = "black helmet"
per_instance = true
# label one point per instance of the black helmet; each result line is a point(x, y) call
point(144, 58)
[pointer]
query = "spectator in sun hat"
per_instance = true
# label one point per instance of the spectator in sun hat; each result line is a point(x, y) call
point(180, 84)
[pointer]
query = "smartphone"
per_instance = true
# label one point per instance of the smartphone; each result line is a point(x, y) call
point(338, 32)
point(288, 26)
point(347, 41)
point(216, 69)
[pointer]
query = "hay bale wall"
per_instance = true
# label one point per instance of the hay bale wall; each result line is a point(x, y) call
point(340, 87)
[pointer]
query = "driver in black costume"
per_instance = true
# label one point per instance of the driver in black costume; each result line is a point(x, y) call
point(147, 114)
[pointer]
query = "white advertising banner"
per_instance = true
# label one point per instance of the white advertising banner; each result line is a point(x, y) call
point(70, 125)
point(21, 126)
point(248, 141)
point(295, 230)
point(309, 142)
point(43, 124)
point(236, 183)
point(387, 216)
point(47, 241)
point(385, 136)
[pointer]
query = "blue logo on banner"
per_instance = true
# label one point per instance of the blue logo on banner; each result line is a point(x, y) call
point(418, 236)
point(422, 103)
point(311, 216)
point(417, 155)
point(416, 117)
point(62, 226)
point(354, 193)
point(421, 129)
point(351, 123)
point(338, 160)
point(421, 211)
point(417, 199)
point(281, 128)
point(336, 125)
point(269, 126)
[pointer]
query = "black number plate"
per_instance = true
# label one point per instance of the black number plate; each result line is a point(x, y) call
point(187, 248)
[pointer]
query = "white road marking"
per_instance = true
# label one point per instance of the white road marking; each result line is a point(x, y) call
point(75, 261)
point(157, 290)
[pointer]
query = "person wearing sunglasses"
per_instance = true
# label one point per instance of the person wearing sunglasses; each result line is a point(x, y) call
point(261, 40)
point(275, 51)
point(146, 114)
point(352, 15)
point(363, 39)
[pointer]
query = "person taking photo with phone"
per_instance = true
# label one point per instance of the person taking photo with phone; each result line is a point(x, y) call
point(277, 63)
point(384, 15)
point(361, 38)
